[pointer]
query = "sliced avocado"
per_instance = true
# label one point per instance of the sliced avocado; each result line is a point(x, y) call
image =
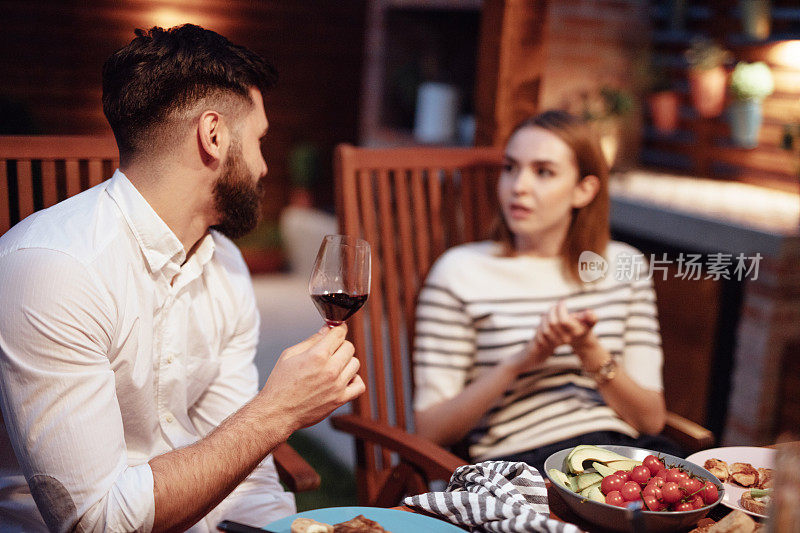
point(559, 477)
point(586, 491)
point(572, 483)
point(627, 464)
point(577, 448)
point(588, 479)
point(602, 469)
point(591, 453)
point(595, 494)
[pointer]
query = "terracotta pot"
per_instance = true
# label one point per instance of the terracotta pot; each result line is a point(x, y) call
point(664, 110)
point(707, 89)
point(262, 261)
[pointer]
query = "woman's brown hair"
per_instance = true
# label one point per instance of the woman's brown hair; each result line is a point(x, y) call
point(589, 228)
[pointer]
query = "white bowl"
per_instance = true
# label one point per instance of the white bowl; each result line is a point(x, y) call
point(621, 519)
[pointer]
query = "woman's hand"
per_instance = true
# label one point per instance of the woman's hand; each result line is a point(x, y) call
point(558, 327)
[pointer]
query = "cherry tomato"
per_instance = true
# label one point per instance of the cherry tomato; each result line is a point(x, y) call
point(671, 492)
point(690, 486)
point(676, 474)
point(631, 491)
point(611, 483)
point(651, 503)
point(697, 502)
point(615, 498)
point(652, 490)
point(654, 464)
point(657, 481)
point(662, 474)
point(641, 475)
point(683, 506)
point(710, 493)
point(624, 474)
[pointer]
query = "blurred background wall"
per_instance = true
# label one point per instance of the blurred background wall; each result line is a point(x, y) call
point(53, 52)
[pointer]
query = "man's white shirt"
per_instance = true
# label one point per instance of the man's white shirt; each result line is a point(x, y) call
point(113, 351)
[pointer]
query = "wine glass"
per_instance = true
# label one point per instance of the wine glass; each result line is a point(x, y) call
point(339, 283)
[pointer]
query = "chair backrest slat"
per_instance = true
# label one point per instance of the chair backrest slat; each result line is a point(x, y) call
point(404, 229)
point(411, 204)
point(25, 188)
point(392, 283)
point(73, 174)
point(5, 203)
point(95, 172)
point(49, 183)
point(39, 171)
point(421, 225)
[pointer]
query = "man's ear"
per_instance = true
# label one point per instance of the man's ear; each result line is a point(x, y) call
point(585, 191)
point(212, 135)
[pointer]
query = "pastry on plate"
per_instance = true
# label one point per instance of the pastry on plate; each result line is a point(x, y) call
point(359, 524)
point(744, 474)
point(717, 467)
point(764, 478)
point(307, 525)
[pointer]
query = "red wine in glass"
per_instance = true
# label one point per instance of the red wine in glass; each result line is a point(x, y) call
point(337, 307)
point(339, 283)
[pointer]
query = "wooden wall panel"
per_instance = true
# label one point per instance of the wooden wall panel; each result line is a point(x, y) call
point(53, 52)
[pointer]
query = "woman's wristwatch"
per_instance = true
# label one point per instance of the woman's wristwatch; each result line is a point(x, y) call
point(605, 373)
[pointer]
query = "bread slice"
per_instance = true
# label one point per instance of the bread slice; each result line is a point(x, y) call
point(754, 505)
point(717, 467)
point(744, 474)
point(734, 522)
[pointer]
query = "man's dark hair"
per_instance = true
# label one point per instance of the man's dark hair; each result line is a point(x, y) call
point(162, 72)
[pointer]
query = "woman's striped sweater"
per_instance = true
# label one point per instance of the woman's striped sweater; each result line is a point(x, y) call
point(477, 308)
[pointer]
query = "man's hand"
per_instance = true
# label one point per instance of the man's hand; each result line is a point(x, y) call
point(310, 380)
point(313, 378)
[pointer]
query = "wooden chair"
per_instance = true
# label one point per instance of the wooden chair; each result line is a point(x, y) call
point(412, 204)
point(39, 171)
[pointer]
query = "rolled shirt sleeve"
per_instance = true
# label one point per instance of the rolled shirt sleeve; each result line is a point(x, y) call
point(59, 400)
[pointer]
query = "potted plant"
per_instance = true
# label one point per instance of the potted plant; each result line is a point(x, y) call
point(663, 102)
point(605, 110)
point(707, 77)
point(750, 84)
point(755, 16)
point(262, 248)
point(303, 172)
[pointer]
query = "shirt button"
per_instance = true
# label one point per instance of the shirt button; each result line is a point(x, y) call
point(168, 419)
point(170, 359)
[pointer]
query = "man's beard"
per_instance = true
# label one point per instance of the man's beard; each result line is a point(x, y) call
point(236, 198)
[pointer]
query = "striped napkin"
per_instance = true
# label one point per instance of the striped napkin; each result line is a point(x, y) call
point(498, 496)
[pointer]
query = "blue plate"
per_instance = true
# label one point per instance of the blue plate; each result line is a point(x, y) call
point(389, 519)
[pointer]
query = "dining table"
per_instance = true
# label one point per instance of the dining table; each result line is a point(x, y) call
point(559, 510)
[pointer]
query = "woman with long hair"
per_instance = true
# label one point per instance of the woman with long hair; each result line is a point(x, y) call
point(546, 336)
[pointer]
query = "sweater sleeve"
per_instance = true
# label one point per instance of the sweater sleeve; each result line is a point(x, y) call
point(444, 343)
point(642, 357)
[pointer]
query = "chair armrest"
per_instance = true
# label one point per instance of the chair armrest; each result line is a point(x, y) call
point(688, 434)
point(435, 461)
point(293, 470)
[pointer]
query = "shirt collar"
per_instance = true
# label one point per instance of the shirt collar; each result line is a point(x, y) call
point(158, 243)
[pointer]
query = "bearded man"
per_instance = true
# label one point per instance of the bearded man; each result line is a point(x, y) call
point(129, 326)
